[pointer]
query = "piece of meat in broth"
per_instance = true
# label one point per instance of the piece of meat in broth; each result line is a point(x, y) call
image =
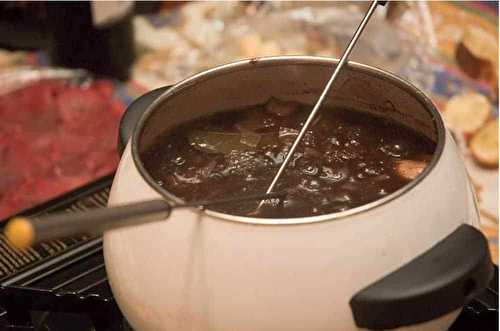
point(409, 169)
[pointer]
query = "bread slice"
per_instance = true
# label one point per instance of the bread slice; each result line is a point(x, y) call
point(477, 55)
point(484, 145)
point(477, 52)
point(466, 113)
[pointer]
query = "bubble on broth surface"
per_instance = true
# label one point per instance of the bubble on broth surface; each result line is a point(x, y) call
point(179, 160)
point(331, 175)
point(395, 150)
point(310, 170)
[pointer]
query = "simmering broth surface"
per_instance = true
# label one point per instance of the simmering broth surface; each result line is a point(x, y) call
point(346, 159)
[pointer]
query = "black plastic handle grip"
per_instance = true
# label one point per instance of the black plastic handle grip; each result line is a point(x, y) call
point(435, 283)
point(132, 115)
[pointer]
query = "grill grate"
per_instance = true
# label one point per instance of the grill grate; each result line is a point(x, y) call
point(13, 260)
point(74, 282)
point(66, 275)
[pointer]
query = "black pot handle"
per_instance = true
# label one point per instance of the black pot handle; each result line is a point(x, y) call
point(132, 115)
point(439, 281)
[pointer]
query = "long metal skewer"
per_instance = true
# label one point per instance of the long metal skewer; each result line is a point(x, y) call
point(26, 231)
point(323, 95)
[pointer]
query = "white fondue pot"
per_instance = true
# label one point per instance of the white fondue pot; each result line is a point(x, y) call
point(408, 261)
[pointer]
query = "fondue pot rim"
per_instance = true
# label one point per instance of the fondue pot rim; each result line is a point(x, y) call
point(287, 60)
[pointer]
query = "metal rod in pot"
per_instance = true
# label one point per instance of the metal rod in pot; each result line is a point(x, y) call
point(23, 232)
point(323, 95)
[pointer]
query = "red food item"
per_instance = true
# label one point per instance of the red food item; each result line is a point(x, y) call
point(105, 88)
point(32, 108)
point(117, 108)
point(54, 137)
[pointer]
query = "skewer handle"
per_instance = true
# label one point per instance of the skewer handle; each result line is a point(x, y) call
point(24, 232)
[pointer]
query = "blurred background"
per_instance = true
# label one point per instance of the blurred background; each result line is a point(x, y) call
point(68, 71)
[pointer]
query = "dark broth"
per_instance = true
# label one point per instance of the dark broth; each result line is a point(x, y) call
point(346, 159)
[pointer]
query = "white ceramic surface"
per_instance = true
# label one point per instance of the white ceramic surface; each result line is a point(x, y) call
point(197, 271)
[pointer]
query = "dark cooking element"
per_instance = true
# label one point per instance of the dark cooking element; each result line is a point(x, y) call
point(481, 314)
point(345, 160)
point(55, 136)
point(74, 282)
point(441, 280)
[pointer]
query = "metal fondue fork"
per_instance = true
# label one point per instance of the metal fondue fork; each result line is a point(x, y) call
point(323, 95)
point(23, 232)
